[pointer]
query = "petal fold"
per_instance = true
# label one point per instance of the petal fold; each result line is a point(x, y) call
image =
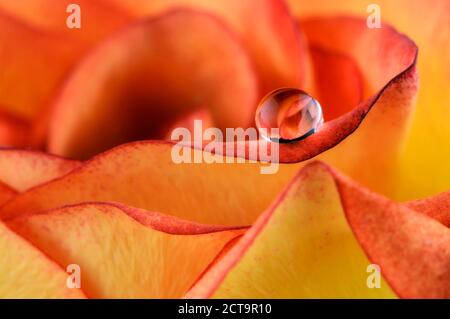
point(426, 148)
point(28, 79)
point(146, 76)
point(13, 131)
point(381, 64)
point(319, 239)
point(23, 169)
point(125, 252)
point(6, 193)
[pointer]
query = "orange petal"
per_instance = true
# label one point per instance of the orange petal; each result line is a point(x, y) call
point(23, 169)
point(338, 81)
point(377, 123)
point(437, 207)
point(125, 252)
point(13, 131)
point(396, 237)
point(318, 239)
point(389, 89)
point(382, 121)
point(276, 45)
point(6, 193)
point(34, 32)
point(28, 273)
point(98, 18)
point(28, 79)
point(423, 166)
point(188, 122)
point(143, 174)
point(158, 75)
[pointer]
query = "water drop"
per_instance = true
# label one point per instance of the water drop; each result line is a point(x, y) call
point(293, 112)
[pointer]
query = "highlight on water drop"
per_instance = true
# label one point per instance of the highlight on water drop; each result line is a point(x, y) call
point(294, 112)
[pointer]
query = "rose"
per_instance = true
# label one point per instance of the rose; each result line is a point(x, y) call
point(322, 225)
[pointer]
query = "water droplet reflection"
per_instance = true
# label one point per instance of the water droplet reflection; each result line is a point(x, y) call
point(295, 113)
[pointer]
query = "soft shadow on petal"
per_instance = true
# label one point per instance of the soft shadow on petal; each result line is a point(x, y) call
point(338, 83)
point(318, 239)
point(147, 76)
point(23, 169)
point(125, 252)
point(276, 45)
point(437, 207)
point(378, 141)
point(14, 132)
point(29, 273)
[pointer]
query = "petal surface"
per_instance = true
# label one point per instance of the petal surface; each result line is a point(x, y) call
point(13, 131)
point(386, 61)
point(147, 76)
point(386, 79)
point(338, 82)
point(28, 80)
point(275, 44)
point(6, 193)
point(125, 252)
point(98, 18)
point(22, 169)
point(26, 272)
point(318, 239)
point(426, 148)
point(143, 174)
point(437, 207)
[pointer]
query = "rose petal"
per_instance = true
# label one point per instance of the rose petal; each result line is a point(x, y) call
point(145, 76)
point(276, 45)
point(125, 252)
point(28, 273)
point(381, 119)
point(13, 131)
point(301, 247)
point(98, 18)
point(396, 237)
point(437, 207)
point(426, 149)
point(338, 81)
point(23, 169)
point(6, 193)
point(34, 32)
point(188, 122)
point(28, 79)
point(318, 239)
point(143, 174)
point(378, 140)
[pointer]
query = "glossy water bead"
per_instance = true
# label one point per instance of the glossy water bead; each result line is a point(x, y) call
point(295, 113)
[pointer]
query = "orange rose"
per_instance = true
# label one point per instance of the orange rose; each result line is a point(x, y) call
point(113, 208)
